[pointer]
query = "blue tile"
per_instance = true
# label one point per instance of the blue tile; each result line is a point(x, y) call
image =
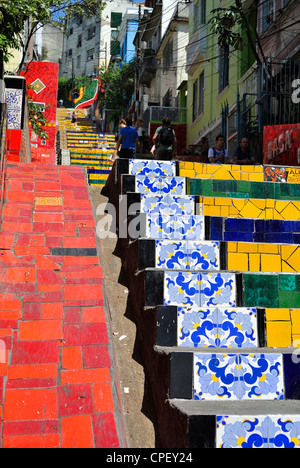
point(279, 237)
point(296, 239)
point(236, 224)
point(238, 236)
point(258, 237)
point(216, 228)
point(268, 225)
point(291, 226)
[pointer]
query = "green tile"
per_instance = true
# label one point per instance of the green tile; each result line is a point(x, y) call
point(207, 185)
point(195, 186)
point(262, 190)
point(287, 283)
point(225, 185)
point(237, 195)
point(244, 186)
point(289, 299)
point(261, 290)
point(295, 190)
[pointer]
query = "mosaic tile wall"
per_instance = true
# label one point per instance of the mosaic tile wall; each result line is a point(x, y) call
point(87, 149)
point(226, 287)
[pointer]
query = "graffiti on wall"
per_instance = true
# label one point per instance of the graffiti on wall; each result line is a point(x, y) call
point(282, 145)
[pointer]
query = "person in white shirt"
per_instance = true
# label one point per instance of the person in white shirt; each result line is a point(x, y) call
point(218, 154)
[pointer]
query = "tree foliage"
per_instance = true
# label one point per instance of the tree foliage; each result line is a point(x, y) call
point(15, 13)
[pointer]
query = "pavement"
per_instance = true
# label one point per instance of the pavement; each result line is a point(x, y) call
point(58, 381)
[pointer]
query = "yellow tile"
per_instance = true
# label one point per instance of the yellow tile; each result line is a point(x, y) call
point(285, 267)
point(247, 247)
point(296, 341)
point(212, 168)
point(214, 211)
point(235, 175)
point(262, 215)
point(235, 167)
point(208, 201)
point(244, 176)
point(224, 211)
point(287, 250)
point(248, 168)
point(277, 315)
point(290, 212)
point(270, 203)
point(237, 261)
point(187, 173)
point(271, 263)
point(269, 248)
point(238, 203)
point(269, 213)
point(222, 173)
point(232, 246)
point(280, 205)
point(254, 262)
point(279, 334)
point(295, 318)
point(259, 169)
point(200, 168)
point(223, 201)
point(233, 211)
point(255, 177)
point(188, 165)
point(294, 260)
point(276, 215)
point(261, 204)
point(202, 176)
point(250, 211)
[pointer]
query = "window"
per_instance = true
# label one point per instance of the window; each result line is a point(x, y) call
point(90, 55)
point(70, 52)
point(195, 100)
point(267, 14)
point(198, 97)
point(91, 33)
point(201, 94)
point(115, 20)
point(203, 12)
point(79, 40)
point(196, 15)
point(223, 68)
point(168, 56)
point(70, 31)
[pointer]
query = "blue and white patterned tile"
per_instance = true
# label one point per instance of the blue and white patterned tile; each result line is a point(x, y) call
point(164, 185)
point(197, 327)
point(182, 204)
point(259, 431)
point(175, 227)
point(237, 327)
point(218, 289)
point(151, 167)
point(203, 255)
point(238, 376)
point(171, 255)
point(155, 204)
point(181, 288)
point(217, 327)
point(261, 376)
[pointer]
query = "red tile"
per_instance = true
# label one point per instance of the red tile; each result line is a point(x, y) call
point(103, 398)
point(31, 427)
point(96, 356)
point(105, 431)
point(35, 352)
point(72, 315)
point(41, 330)
point(85, 334)
point(88, 292)
point(32, 441)
point(71, 357)
point(32, 311)
point(74, 400)
point(48, 277)
point(83, 376)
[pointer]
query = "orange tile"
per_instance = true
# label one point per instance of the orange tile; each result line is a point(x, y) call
point(19, 275)
point(93, 314)
point(86, 292)
point(103, 399)
point(77, 432)
point(30, 404)
point(32, 441)
point(85, 376)
point(40, 330)
point(72, 357)
point(32, 371)
point(52, 310)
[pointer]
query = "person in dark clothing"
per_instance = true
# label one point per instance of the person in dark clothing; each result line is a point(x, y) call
point(128, 140)
point(243, 154)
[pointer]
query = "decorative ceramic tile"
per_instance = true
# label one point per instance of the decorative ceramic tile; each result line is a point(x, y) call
point(165, 185)
point(175, 227)
point(187, 255)
point(14, 100)
point(168, 204)
point(150, 167)
point(181, 288)
point(238, 376)
point(258, 431)
point(217, 327)
point(48, 200)
point(217, 289)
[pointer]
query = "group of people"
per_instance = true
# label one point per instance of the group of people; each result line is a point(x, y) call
point(130, 142)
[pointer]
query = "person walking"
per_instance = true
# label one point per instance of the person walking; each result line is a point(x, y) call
point(128, 140)
point(165, 140)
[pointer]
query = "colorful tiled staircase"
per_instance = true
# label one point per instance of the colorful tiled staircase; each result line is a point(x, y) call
point(213, 272)
point(80, 145)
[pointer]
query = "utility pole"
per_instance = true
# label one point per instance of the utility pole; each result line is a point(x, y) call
point(139, 60)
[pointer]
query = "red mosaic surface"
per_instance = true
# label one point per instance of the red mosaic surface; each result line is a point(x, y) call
point(56, 368)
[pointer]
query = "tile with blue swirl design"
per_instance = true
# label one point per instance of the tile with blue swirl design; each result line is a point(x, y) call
point(259, 431)
point(182, 288)
point(218, 289)
point(238, 376)
point(175, 227)
point(217, 327)
point(187, 255)
point(164, 185)
point(152, 167)
point(167, 204)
